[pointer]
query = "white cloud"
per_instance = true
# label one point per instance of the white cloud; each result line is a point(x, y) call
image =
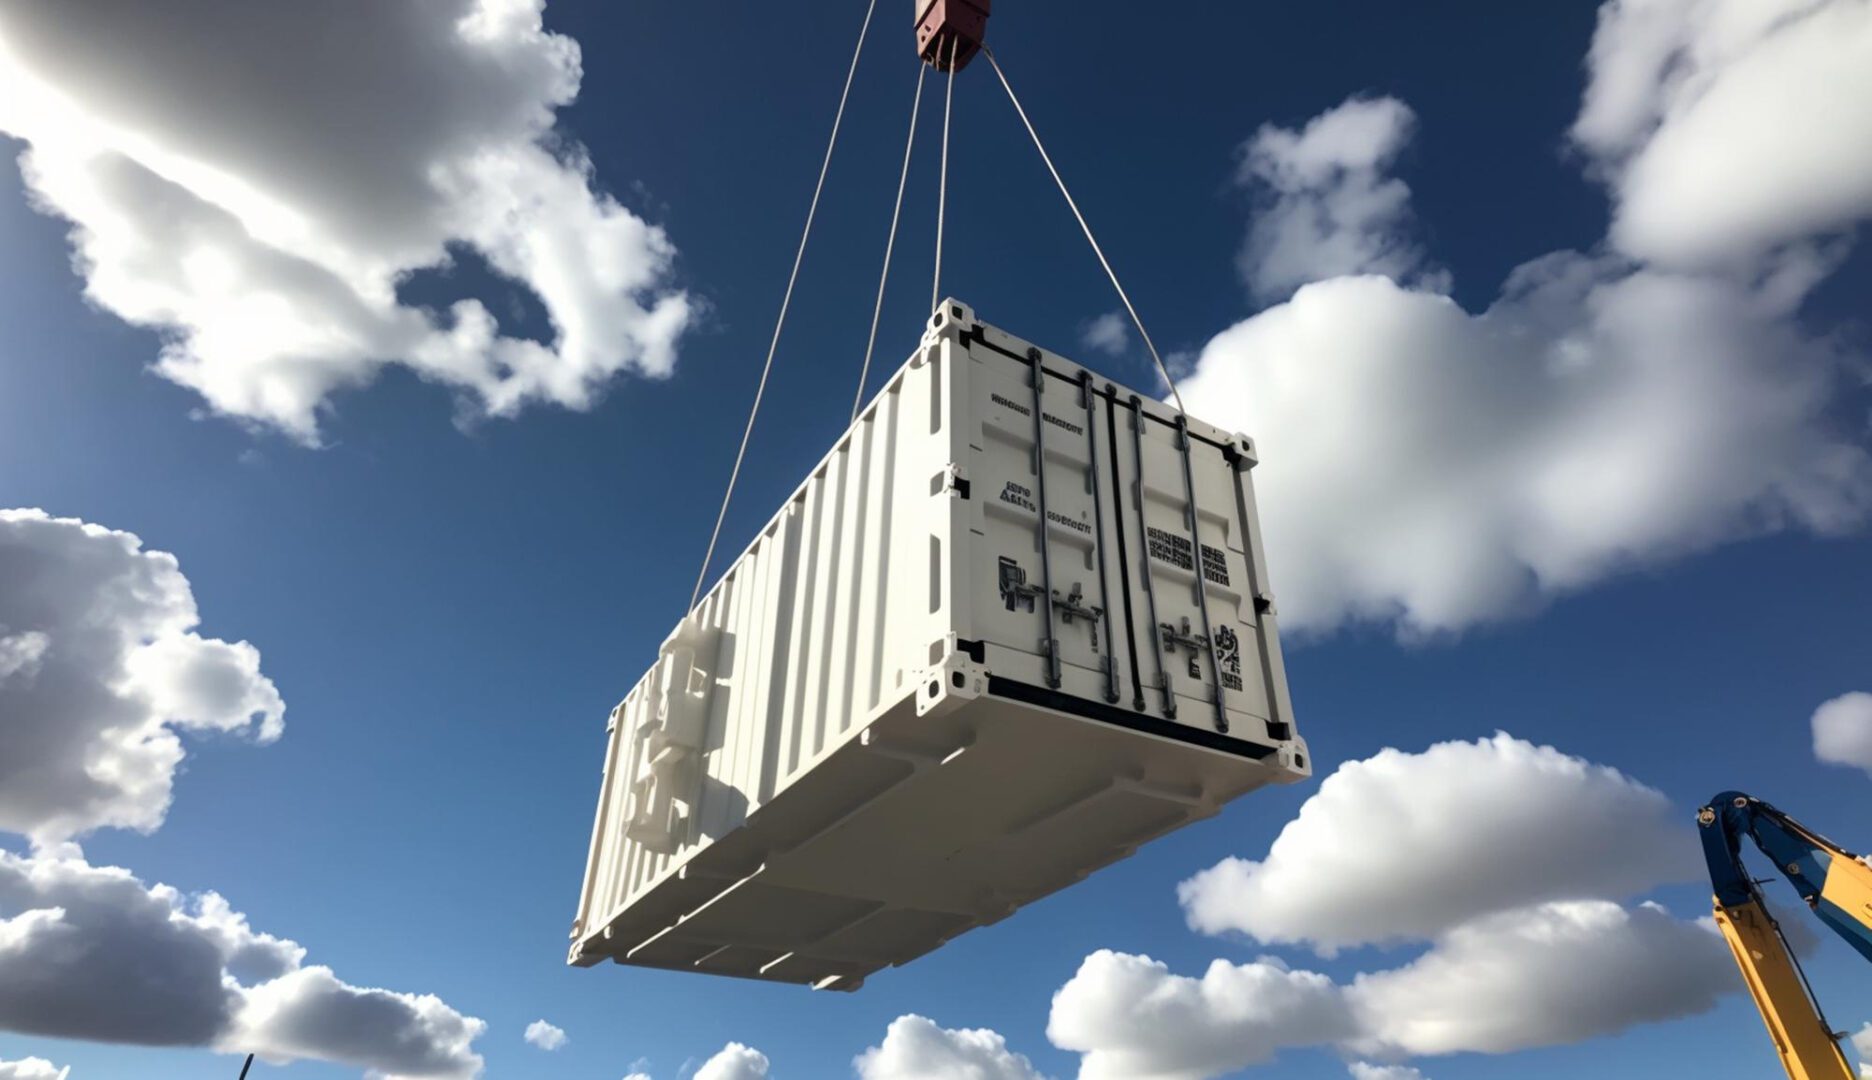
point(92, 953)
point(1110, 334)
point(310, 1013)
point(916, 1048)
point(32, 1068)
point(100, 669)
point(1132, 1019)
point(257, 187)
point(1435, 468)
point(734, 1062)
point(1543, 976)
point(545, 1036)
point(1862, 1046)
point(1506, 859)
point(1730, 126)
point(1328, 207)
point(1403, 846)
point(1842, 731)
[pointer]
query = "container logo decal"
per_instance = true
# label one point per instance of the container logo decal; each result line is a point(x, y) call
point(1228, 654)
point(1170, 548)
point(1016, 495)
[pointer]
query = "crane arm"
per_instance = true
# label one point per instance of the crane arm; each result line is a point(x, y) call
point(1833, 882)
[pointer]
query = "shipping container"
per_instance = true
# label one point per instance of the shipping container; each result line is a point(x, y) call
point(1014, 625)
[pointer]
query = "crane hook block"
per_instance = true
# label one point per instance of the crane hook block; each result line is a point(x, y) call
point(950, 32)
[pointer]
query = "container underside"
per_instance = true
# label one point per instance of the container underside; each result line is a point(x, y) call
point(918, 828)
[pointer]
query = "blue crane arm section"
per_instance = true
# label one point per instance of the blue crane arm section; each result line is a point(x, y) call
point(1801, 855)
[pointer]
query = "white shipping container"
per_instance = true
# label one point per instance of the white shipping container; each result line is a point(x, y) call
point(909, 708)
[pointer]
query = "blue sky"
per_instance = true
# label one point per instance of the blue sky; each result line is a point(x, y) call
point(449, 603)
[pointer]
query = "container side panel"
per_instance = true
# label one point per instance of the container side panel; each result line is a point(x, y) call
point(852, 566)
point(785, 625)
point(826, 573)
point(873, 520)
point(890, 410)
point(805, 567)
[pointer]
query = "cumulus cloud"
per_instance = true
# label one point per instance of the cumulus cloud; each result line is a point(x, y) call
point(1727, 127)
point(257, 187)
point(93, 953)
point(734, 1062)
point(545, 1036)
point(1508, 862)
point(1862, 1046)
point(1542, 976)
point(1110, 334)
point(1842, 731)
point(916, 1048)
point(1327, 207)
point(1437, 468)
point(1403, 846)
point(101, 670)
point(1132, 1019)
point(32, 1069)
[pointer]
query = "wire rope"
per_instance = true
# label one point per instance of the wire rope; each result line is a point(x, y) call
point(786, 301)
point(890, 242)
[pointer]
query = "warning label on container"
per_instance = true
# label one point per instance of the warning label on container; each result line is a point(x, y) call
point(1168, 547)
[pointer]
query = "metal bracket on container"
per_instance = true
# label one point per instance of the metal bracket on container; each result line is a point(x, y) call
point(1015, 592)
point(1070, 607)
point(1174, 638)
point(1050, 643)
point(955, 480)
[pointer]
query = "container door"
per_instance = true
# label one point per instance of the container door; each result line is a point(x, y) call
point(1191, 590)
point(1049, 597)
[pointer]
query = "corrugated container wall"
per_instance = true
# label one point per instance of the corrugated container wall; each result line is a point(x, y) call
point(910, 707)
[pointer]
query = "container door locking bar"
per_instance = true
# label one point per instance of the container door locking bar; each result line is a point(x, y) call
point(1150, 588)
point(1202, 580)
point(1049, 644)
point(1086, 397)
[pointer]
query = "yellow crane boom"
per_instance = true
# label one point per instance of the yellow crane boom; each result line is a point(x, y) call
point(1835, 884)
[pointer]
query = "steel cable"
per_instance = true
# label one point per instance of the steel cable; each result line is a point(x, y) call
point(1162, 370)
point(785, 301)
point(890, 242)
point(942, 179)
